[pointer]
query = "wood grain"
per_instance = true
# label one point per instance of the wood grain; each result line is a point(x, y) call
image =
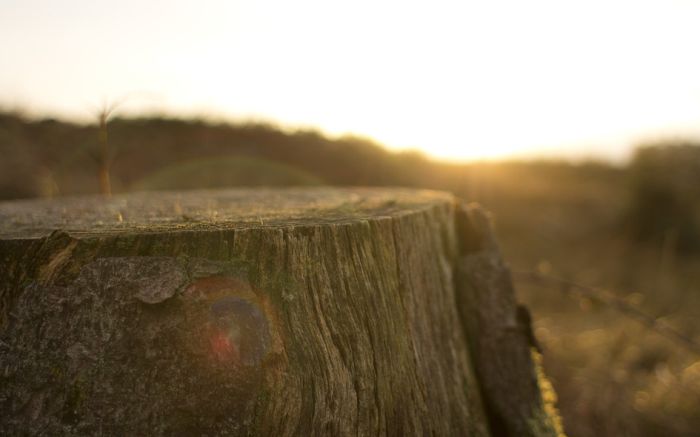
point(238, 312)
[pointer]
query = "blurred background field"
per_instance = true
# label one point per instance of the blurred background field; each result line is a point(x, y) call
point(631, 230)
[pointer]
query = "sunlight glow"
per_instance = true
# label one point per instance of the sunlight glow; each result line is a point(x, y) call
point(455, 79)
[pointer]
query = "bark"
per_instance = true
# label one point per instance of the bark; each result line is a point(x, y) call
point(239, 312)
point(500, 332)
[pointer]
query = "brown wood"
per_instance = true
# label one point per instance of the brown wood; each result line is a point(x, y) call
point(241, 312)
point(499, 332)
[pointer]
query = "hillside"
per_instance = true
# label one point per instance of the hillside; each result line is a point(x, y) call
point(48, 157)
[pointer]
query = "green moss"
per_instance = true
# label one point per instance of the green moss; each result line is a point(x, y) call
point(75, 398)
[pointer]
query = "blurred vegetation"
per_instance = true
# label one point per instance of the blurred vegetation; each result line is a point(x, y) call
point(225, 172)
point(665, 195)
point(48, 157)
point(631, 230)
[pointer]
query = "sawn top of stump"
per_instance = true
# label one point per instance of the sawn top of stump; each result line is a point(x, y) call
point(147, 212)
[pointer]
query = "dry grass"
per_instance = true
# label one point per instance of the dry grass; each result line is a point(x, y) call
point(614, 377)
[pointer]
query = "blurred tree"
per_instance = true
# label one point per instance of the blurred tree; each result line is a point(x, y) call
point(665, 195)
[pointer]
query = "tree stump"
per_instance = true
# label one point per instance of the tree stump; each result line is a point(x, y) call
point(258, 312)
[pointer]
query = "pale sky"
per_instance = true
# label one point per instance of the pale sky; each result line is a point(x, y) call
point(456, 79)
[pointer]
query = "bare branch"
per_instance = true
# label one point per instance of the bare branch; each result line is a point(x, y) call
point(611, 300)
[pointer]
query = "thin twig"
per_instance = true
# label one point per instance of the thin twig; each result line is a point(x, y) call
point(615, 302)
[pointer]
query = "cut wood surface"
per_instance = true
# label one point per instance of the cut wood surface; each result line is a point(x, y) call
point(257, 312)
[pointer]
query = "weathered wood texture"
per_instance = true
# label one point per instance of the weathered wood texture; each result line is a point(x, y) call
point(500, 332)
point(249, 312)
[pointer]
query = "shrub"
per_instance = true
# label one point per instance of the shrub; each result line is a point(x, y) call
point(664, 203)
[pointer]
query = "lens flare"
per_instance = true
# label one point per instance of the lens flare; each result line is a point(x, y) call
point(239, 331)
